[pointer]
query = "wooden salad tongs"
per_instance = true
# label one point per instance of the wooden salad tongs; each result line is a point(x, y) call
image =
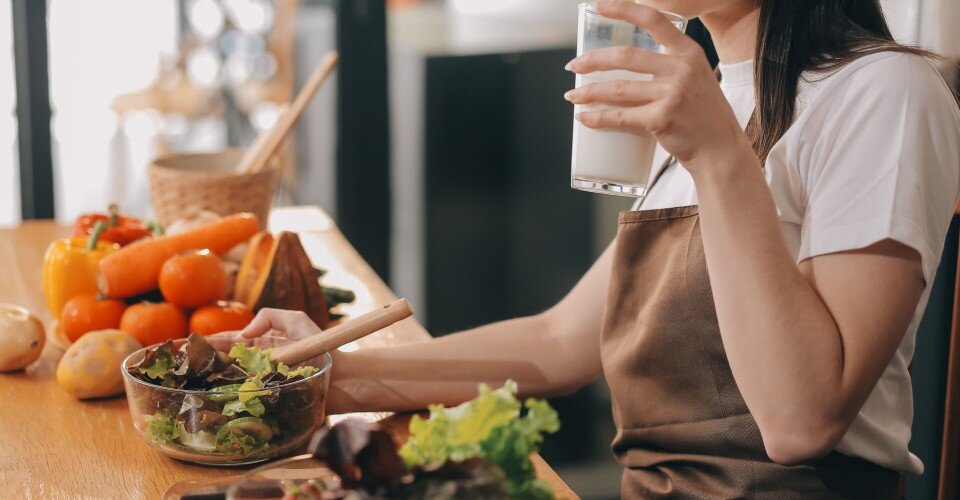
point(342, 334)
point(267, 144)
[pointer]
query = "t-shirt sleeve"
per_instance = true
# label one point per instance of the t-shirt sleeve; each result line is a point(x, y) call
point(879, 159)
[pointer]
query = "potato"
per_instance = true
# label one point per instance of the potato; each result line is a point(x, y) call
point(91, 366)
point(21, 338)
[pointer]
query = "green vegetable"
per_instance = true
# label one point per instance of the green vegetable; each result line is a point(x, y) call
point(201, 427)
point(510, 447)
point(253, 407)
point(253, 360)
point(304, 371)
point(248, 390)
point(489, 426)
point(252, 426)
point(228, 441)
point(224, 393)
point(200, 441)
point(163, 363)
point(162, 428)
point(290, 488)
point(336, 296)
point(258, 363)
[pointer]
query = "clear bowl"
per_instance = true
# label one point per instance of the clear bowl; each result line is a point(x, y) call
point(292, 413)
point(265, 481)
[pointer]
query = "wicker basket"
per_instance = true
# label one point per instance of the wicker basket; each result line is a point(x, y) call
point(181, 184)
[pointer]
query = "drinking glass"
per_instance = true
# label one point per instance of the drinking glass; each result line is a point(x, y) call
point(612, 161)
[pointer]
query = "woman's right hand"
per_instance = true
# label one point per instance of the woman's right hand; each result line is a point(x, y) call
point(294, 325)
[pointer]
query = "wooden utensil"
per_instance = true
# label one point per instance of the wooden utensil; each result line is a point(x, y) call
point(342, 334)
point(200, 489)
point(267, 144)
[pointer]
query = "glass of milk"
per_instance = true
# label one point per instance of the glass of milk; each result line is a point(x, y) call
point(610, 161)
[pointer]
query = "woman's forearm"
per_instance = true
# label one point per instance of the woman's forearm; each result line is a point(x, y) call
point(783, 347)
point(447, 369)
point(547, 354)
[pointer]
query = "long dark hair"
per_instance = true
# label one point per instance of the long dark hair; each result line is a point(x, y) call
point(801, 35)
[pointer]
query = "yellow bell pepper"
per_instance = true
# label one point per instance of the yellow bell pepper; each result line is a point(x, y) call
point(70, 268)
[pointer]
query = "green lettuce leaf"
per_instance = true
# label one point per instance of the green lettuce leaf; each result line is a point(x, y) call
point(511, 445)
point(489, 426)
point(253, 407)
point(253, 360)
point(248, 390)
point(162, 427)
point(236, 442)
point(162, 364)
point(304, 371)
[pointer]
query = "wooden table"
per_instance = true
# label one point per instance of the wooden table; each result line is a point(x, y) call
point(53, 446)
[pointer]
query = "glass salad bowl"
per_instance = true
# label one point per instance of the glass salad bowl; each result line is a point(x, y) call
point(228, 425)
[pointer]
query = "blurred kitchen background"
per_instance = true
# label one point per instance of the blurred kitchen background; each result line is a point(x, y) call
point(442, 149)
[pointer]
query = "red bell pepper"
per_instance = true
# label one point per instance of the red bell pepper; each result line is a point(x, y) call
point(120, 229)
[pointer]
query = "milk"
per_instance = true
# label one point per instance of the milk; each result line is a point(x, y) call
point(610, 161)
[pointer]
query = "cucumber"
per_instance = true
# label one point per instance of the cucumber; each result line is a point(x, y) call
point(274, 426)
point(224, 393)
point(251, 426)
point(337, 296)
point(201, 441)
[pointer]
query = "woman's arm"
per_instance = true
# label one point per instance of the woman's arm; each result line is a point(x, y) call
point(551, 353)
point(806, 343)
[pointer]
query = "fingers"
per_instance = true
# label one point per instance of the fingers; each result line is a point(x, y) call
point(294, 324)
point(620, 93)
point(621, 58)
point(651, 118)
point(608, 118)
point(261, 324)
point(224, 340)
point(648, 18)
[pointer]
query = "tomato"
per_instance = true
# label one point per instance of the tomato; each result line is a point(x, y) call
point(220, 317)
point(153, 323)
point(193, 279)
point(87, 313)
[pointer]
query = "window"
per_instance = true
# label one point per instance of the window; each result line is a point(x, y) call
point(9, 175)
point(97, 54)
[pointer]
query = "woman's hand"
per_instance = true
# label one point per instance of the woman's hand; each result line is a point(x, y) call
point(682, 106)
point(294, 325)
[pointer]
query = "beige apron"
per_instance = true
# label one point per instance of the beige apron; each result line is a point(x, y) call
point(683, 429)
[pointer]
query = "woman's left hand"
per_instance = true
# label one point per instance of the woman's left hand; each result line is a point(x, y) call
point(682, 106)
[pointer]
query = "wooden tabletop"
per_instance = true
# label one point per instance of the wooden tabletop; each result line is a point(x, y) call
point(53, 446)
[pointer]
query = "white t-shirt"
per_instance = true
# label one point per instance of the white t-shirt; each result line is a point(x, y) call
point(873, 154)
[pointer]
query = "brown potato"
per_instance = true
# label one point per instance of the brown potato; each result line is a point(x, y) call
point(21, 338)
point(91, 366)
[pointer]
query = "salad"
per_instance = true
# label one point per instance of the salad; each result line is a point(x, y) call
point(478, 450)
point(238, 403)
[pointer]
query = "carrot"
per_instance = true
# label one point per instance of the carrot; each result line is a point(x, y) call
point(135, 268)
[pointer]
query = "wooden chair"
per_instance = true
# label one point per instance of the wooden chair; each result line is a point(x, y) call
point(950, 450)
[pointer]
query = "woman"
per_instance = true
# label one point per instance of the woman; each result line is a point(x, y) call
point(783, 370)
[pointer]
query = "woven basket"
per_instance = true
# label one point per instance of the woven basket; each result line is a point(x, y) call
point(181, 184)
